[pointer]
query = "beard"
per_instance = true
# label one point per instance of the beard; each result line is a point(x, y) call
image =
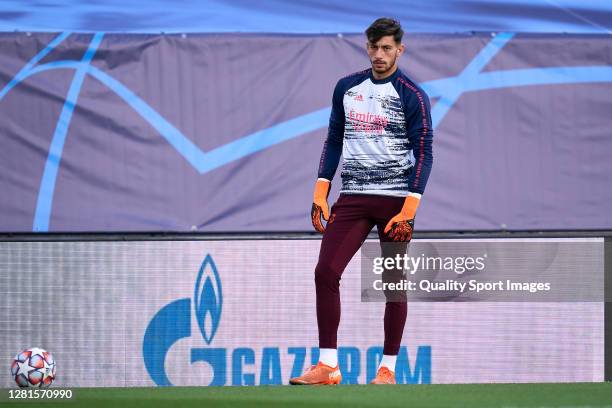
point(385, 67)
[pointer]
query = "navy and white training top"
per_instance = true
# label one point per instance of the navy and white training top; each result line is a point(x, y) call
point(383, 130)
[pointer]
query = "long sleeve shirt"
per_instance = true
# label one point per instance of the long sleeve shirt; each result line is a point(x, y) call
point(383, 130)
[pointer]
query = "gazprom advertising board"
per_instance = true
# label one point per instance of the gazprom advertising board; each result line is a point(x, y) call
point(146, 313)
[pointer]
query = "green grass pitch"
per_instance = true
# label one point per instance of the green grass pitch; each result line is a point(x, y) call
point(440, 395)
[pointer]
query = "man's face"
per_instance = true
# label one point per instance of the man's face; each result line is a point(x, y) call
point(383, 55)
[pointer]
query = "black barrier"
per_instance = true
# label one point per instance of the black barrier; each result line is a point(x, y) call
point(163, 236)
point(608, 310)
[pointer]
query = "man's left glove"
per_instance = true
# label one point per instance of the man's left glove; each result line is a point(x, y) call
point(400, 227)
point(319, 205)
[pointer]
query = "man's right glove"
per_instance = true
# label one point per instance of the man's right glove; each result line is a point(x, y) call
point(319, 204)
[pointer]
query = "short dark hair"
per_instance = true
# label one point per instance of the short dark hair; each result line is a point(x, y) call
point(383, 27)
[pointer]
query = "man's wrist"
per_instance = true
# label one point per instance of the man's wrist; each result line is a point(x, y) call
point(321, 190)
point(411, 204)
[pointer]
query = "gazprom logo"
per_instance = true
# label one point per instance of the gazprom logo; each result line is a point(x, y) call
point(250, 366)
point(173, 322)
point(208, 299)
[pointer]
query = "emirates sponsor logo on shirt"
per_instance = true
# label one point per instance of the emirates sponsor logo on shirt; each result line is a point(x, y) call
point(368, 122)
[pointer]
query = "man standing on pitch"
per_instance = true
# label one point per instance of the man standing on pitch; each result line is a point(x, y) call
point(381, 124)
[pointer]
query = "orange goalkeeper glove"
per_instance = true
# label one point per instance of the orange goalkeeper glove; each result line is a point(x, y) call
point(319, 205)
point(400, 227)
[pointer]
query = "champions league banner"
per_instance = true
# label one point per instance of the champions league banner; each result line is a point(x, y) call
point(211, 132)
point(243, 313)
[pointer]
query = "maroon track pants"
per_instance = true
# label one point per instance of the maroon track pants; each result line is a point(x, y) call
point(351, 220)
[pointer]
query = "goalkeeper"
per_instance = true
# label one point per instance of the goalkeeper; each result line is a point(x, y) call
point(381, 124)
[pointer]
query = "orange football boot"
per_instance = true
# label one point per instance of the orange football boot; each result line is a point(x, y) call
point(319, 374)
point(384, 376)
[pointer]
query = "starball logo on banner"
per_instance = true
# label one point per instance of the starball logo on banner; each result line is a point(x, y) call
point(173, 323)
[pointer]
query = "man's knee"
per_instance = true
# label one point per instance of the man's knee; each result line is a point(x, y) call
point(326, 275)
